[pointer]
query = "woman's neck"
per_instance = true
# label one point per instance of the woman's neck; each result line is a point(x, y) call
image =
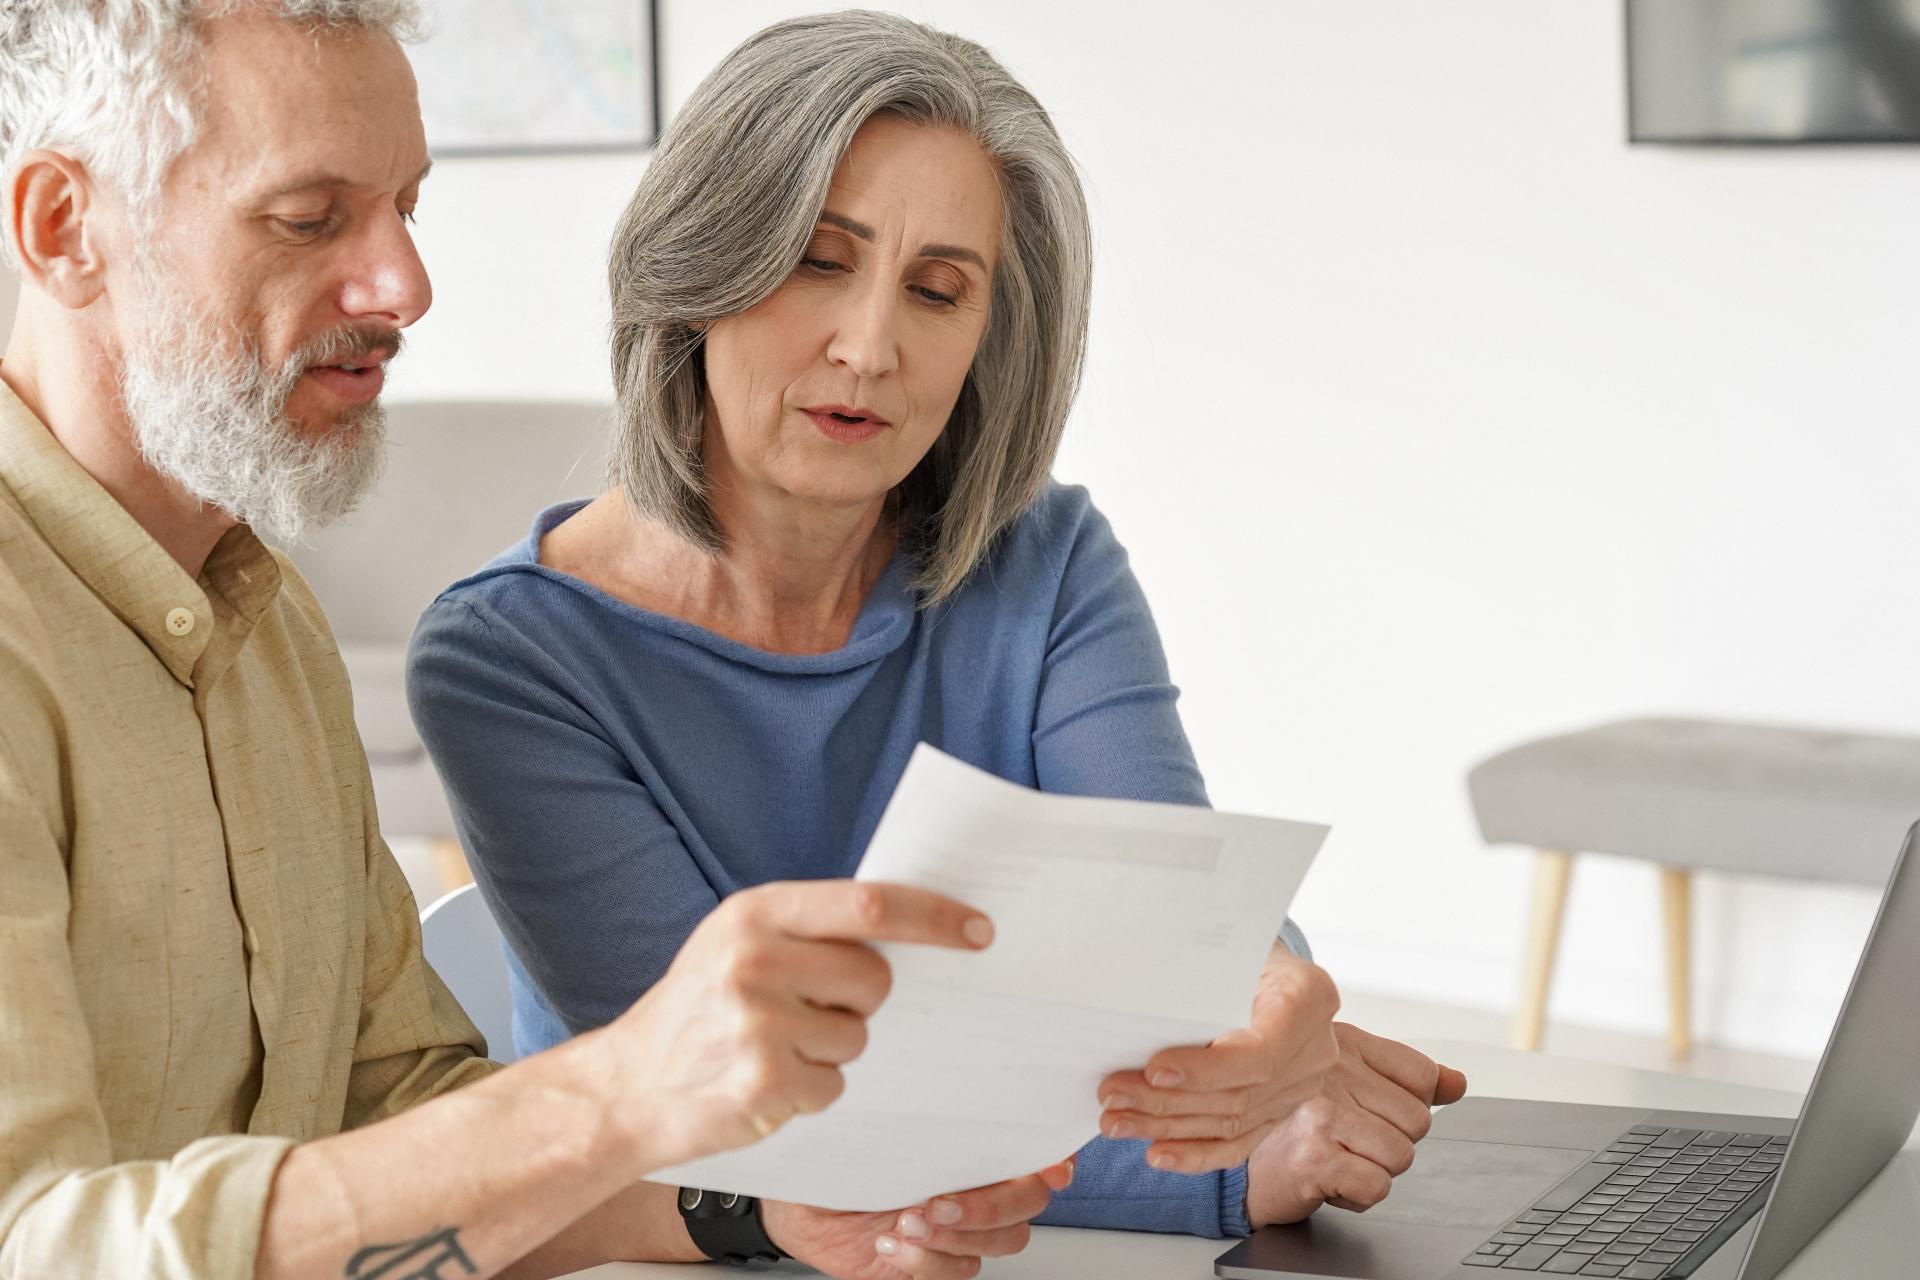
point(792, 579)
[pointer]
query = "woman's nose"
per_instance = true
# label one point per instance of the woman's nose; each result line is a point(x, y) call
point(865, 339)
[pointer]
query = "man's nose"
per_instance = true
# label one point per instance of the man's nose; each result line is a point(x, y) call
point(388, 282)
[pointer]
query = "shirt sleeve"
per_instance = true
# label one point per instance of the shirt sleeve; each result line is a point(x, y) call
point(552, 813)
point(415, 1042)
point(68, 1211)
point(1107, 725)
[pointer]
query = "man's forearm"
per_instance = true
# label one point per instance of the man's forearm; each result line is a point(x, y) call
point(639, 1223)
point(476, 1180)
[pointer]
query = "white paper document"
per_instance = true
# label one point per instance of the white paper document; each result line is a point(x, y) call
point(1121, 929)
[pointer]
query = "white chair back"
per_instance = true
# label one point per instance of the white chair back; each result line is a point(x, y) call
point(463, 945)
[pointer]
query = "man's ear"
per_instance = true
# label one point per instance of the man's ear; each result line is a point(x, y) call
point(48, 207)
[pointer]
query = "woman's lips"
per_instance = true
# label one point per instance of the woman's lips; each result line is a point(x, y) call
point(353, 388)
point(845, 426)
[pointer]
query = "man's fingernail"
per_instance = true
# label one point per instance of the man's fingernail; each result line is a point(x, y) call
point(979, 931)
point(1165, 1078)
point(1162, 1161)
point(1120, 1128)
point(914, 1227)
point(1069, 1181)
point(886, 1246)
point(1120, 1102)
point(944, 1212)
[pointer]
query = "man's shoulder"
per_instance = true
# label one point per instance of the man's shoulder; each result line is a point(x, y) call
point(29, 710)
point(25, 563)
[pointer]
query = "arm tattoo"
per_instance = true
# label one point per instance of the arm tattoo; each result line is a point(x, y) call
point(421, 1259)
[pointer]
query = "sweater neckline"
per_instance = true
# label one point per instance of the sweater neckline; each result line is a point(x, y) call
point(882, 626)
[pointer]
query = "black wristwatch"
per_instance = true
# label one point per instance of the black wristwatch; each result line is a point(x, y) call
point(727, 1228)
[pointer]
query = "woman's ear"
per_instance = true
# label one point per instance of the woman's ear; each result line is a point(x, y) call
point(52, 224)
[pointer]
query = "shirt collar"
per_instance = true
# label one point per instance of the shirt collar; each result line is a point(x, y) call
point(121, 563)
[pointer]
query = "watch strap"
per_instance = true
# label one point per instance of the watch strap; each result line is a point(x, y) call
point(727, 1228)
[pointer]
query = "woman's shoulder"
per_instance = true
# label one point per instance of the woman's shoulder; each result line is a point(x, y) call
point(512, 587)
point(1059, 534)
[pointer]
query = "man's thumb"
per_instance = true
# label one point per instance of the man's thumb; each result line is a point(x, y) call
point(1451, 1086)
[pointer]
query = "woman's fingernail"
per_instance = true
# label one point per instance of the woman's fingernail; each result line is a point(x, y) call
point(1120, 1102)
point(914, 1227)
point(886, 1246)
point(944, 1212)
point(1162, 1161)
point(979, 931)
point(1119, 1128)
point(1069, 1181)
point(1165, 1078)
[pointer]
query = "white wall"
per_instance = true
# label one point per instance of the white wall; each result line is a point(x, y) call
point(1435, 416)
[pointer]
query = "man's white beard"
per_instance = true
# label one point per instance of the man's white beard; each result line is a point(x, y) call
point(214, 421)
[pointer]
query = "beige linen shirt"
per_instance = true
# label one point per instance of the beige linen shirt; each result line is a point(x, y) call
point(207, 953)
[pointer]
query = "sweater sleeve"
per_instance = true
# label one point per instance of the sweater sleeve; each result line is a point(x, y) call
point(592, 885)
point(1106, 725)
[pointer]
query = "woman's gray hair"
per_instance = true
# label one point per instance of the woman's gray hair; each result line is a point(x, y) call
point(727, 207)
point(116, 81)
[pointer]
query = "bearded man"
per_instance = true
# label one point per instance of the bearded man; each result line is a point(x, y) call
point(221, 1054)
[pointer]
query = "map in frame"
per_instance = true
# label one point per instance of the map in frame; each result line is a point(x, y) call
point(502, 76)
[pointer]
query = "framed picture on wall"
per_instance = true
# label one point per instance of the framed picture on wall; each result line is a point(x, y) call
point(514, 76)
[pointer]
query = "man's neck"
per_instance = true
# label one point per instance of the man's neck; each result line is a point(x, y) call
point(71, 388)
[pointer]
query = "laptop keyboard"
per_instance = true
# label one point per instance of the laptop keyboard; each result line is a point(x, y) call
point(1653, 1205)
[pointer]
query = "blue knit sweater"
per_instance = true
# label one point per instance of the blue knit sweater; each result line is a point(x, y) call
point(615, 772)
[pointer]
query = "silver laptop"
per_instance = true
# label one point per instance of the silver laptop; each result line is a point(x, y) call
point(1505, 1188)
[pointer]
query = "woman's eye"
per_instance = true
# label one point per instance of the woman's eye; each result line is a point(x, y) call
point(935, 296)
point(822, 265)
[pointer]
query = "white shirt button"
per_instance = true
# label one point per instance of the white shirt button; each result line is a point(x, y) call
point(180, 621)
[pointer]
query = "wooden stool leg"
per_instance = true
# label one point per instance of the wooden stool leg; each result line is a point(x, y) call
point(1551, 873)
point(1676, 901)
point(450, 864)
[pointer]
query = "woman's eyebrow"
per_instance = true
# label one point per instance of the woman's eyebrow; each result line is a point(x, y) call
point(955, 251)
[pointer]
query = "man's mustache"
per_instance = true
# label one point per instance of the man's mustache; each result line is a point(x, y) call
point(348, 344)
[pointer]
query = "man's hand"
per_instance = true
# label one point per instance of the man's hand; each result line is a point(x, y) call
point(1345, 1146)
point(944, 1239)
point(763, 1006)
point(1208, 1107)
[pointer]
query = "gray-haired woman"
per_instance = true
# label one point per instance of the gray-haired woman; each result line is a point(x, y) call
point(850, 302)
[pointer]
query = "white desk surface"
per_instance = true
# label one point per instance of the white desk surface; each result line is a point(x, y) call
point(1877, 1237)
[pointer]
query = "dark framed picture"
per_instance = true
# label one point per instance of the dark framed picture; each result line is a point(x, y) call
point(500, 77)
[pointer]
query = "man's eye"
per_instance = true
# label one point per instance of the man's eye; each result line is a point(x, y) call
point(304, 226)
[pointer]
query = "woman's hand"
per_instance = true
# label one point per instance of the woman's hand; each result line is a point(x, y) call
point(944, 1239)
point(1345, 1146)
point(761, 1008)
point(1207, 1107)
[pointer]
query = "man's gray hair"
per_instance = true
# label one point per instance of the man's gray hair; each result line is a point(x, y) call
point(116, 81)
point(725, 211)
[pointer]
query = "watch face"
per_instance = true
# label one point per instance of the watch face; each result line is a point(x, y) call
point(690, 1198)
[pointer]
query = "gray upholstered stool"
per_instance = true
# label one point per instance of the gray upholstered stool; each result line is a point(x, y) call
point(1692, 795)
